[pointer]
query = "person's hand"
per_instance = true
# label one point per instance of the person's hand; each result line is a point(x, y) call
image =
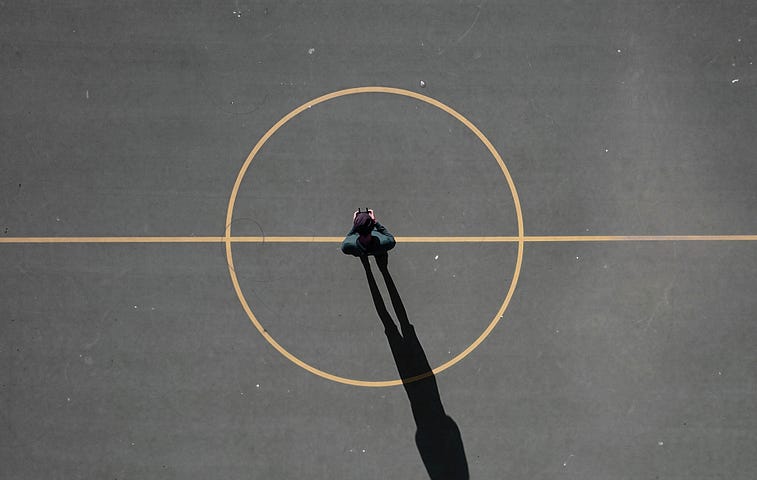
point(354, 215)
point(373, 217)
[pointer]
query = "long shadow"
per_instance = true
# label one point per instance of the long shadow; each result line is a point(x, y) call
point(437, 436)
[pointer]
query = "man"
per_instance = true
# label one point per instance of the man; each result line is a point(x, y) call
point(367, 236)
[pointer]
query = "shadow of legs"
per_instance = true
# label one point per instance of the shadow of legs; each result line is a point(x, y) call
point(378, 301)
point(437, 436)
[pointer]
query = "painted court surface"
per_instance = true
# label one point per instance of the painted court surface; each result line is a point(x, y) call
point(573, 191)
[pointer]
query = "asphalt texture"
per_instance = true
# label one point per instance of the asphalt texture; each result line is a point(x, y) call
point(613, 359)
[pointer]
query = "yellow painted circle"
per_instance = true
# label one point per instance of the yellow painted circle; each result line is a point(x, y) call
point(353, 91)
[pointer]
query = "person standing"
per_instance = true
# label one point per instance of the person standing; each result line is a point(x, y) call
point(367, 236)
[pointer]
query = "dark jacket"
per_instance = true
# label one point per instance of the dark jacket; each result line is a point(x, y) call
point(382, 243)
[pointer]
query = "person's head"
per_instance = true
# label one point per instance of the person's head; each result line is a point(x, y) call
point(363, 226)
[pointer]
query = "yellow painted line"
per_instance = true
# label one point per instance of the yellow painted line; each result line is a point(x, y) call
point(640, 238)
point(262, 239)
point(111, 239)
point(471, 239)
point(429, 239)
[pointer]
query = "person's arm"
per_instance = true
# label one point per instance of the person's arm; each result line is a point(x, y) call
point(386, 239)
point(348, 244)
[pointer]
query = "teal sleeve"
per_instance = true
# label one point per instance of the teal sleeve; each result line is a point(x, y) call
point(348, 245)
point(386, 239)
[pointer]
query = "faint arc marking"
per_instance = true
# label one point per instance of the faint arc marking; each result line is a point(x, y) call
point(466, 32)
point(473, 24)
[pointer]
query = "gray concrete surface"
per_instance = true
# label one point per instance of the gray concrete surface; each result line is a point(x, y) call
point(619, 360)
